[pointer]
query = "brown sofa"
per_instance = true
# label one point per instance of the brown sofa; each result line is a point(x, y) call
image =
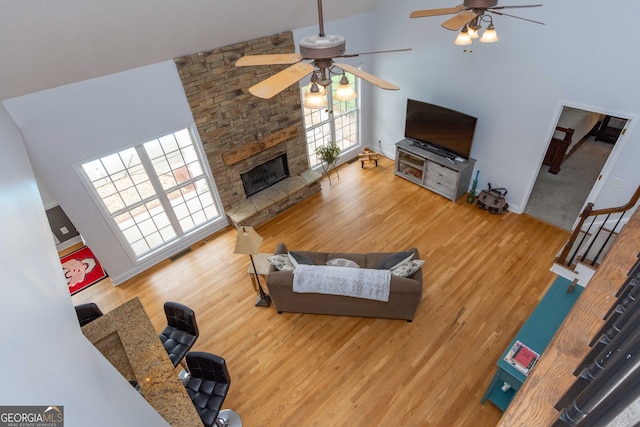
point(404, 296)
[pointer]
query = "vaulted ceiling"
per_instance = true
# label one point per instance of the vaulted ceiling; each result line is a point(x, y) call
point(50, 43)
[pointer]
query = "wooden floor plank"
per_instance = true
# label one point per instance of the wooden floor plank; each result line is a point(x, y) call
point(483, 276)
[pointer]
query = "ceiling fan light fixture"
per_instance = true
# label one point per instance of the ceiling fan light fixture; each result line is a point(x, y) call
point(474, 28)
point(345, 91)
point(314, 99)
point(463, 38)
point(490, 35)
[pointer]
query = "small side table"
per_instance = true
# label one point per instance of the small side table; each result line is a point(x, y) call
point(368, 155)
point(262, 269)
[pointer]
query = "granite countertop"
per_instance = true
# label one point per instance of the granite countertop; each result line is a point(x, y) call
point(127, 338)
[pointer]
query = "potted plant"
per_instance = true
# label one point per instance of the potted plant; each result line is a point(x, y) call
point(328, 154)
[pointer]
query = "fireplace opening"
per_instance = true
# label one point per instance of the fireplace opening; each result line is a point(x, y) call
point(265, 175)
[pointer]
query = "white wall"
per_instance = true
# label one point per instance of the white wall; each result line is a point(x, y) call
point(45, 359)
point(81, 121)
point(515, 86)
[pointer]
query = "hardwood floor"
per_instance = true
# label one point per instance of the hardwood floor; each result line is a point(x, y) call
point(483, 276)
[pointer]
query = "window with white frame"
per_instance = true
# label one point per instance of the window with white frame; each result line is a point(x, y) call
point(339, 123)
point(155, 192)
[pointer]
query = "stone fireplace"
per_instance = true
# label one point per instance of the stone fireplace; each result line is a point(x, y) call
point(240, 131)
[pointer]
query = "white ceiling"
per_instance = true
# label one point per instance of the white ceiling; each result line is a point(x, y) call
point(50, 43)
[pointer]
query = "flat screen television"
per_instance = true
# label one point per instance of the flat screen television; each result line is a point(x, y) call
point(438, 129)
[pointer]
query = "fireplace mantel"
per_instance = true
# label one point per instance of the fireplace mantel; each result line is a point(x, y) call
point(256, 146)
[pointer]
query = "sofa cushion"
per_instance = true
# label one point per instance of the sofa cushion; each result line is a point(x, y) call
point(407, 269)
point(360, 259)
point(281, 262)
point(301, 258)
point(298, 258)
point(342, 262)
point(394, 260)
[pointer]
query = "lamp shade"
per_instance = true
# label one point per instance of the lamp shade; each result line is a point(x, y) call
point(490, 35)
point(315, 98)
point(247, 241)
point(345, 91)
point(463, 38)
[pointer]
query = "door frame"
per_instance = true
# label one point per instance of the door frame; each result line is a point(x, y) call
point(615, 154)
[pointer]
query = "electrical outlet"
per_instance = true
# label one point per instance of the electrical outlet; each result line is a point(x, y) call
point(617, 182)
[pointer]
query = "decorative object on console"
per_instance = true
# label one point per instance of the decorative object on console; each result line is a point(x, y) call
point(81, 269)
point(328, 154)
point(321, 49)
point(469, 16)
point(521, 357)
point(248, 243)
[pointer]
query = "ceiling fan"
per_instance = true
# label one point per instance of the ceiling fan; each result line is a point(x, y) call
point(470, 12)
point(321, 50)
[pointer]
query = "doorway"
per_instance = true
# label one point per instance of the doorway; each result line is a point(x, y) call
point(558, 198)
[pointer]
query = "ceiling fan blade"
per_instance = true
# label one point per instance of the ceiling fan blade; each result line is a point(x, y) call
point(436, 12)
point(514, 7)
point(366, 76)
point(460, 20)
point(275, 84)
point(274, 59)
point(513, 16)
point(351, 55)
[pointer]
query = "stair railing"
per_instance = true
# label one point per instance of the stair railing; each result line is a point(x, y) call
point(600, 219)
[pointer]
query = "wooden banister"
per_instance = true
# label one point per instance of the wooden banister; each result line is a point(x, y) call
point(632, 202)
point(588, 212)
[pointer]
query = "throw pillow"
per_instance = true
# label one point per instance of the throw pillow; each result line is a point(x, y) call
point(343, 262)
point(281, 262)
point(394, 260)
point(408, 268)
point(298, 258)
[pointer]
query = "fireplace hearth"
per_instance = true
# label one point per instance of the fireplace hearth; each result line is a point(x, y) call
point(265, 175)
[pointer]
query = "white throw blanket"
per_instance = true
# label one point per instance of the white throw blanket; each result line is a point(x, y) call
point(352, 282)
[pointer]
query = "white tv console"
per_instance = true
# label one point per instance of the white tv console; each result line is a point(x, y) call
point(449, 178)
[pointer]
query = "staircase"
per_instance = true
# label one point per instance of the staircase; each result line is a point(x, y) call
point(591, 239)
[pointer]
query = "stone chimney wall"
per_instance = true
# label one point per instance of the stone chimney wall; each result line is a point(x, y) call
point(229, 118)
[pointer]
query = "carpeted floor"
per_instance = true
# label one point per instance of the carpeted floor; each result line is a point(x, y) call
point(558, 199)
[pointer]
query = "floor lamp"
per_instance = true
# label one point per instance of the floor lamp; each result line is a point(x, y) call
point(248, 243)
